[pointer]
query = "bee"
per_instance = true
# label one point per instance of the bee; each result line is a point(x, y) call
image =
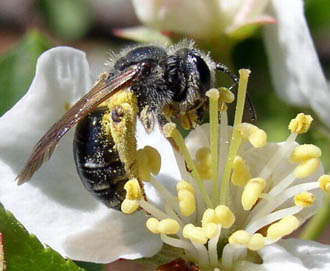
point(162, 83)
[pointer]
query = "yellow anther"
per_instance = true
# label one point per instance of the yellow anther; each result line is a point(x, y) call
point(168, 226)
point(183, 185)
point(170, 130)
point(241, 173)
point(256, 136)
point(213, 93)
point(203, 156)
point(211, 230)
point(133, 190)
point(226, 96)
point(283, 227)
point(187, 202)
point(195, 234)
point(203, 163)
point(305, 152)
point(152, 225)
point(300, 124)
point(154, 159)
point(209, 216)
point(224, 216)
point(324, 182)
point(251, 192)
point(129, 206)
point(256, 242)
point(239, 237)
point(307, 168)
point(304, 199)
point(148, 161)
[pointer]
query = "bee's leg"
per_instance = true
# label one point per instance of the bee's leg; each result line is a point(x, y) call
point(223, 68)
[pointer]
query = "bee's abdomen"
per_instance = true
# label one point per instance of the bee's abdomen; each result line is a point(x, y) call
point(97, 160)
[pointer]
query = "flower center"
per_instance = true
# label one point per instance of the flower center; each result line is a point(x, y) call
point(237, 192)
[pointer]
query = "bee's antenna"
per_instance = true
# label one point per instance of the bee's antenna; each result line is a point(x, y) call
point(223, 68)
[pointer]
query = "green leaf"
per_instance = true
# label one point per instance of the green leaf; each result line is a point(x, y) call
point(70, 19)
point(18, 68)
point(25, 252)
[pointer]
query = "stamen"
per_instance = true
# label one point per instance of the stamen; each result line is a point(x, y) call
point(133, 190)
point(239, 237)
point(305, 152)
point(212, 248)
point(129, 206)
point(210, 230)
point(304, 199)
point(174, 242)
point(256, 242)
point(283, 227)
point(195, 234)
point(300, 124)
point(168, 226)
point(148, 161)
point(187, 202)
point(213, 95)
point(307, 168)
point(241, 173)
point(257, 137)
point(153, 225)
point(149, 208)
point(251, 192)
point(235, 139)
point(324, 182)
point(225, 216)
point(170, 131)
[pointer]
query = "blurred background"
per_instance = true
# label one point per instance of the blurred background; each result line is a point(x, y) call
point(29, 27)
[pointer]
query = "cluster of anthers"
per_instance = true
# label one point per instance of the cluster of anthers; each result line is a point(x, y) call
point(238, 194)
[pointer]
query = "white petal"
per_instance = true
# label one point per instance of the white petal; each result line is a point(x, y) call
point(54, 205)
point(295, 68)
point(185, 17)
point(292, 254)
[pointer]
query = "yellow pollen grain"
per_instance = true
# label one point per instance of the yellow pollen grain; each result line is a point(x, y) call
point(152, 225)
point(129, 206)
point(224, 216)
point(256, 242)
point(168, 226)
point(133, 190)
point(239, 237)
point(251, 193)
point(211, 230)
point(283, 227)
point(300, 124)
point(187, 202)
point(324, 182)
point(305, 152)
point(307, 168)
point(304, 199)
point(195, 234)
point(241, 173)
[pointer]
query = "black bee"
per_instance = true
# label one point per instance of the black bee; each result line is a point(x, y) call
point(168, 83)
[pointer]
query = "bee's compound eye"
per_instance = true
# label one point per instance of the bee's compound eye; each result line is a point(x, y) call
point(117, 114)
point(203, 70)
point(145, 68)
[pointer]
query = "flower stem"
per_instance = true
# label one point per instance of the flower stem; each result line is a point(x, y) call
point(318, 223)
point(235, 138)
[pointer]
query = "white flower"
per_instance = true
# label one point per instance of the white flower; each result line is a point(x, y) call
point(56, 207)
point(295, 69)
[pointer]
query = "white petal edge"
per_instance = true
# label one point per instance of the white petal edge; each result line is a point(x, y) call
point(54, 205)
point(292, 254)
point(296, 71)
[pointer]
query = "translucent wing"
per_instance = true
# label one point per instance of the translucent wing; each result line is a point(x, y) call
point(101, 91)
